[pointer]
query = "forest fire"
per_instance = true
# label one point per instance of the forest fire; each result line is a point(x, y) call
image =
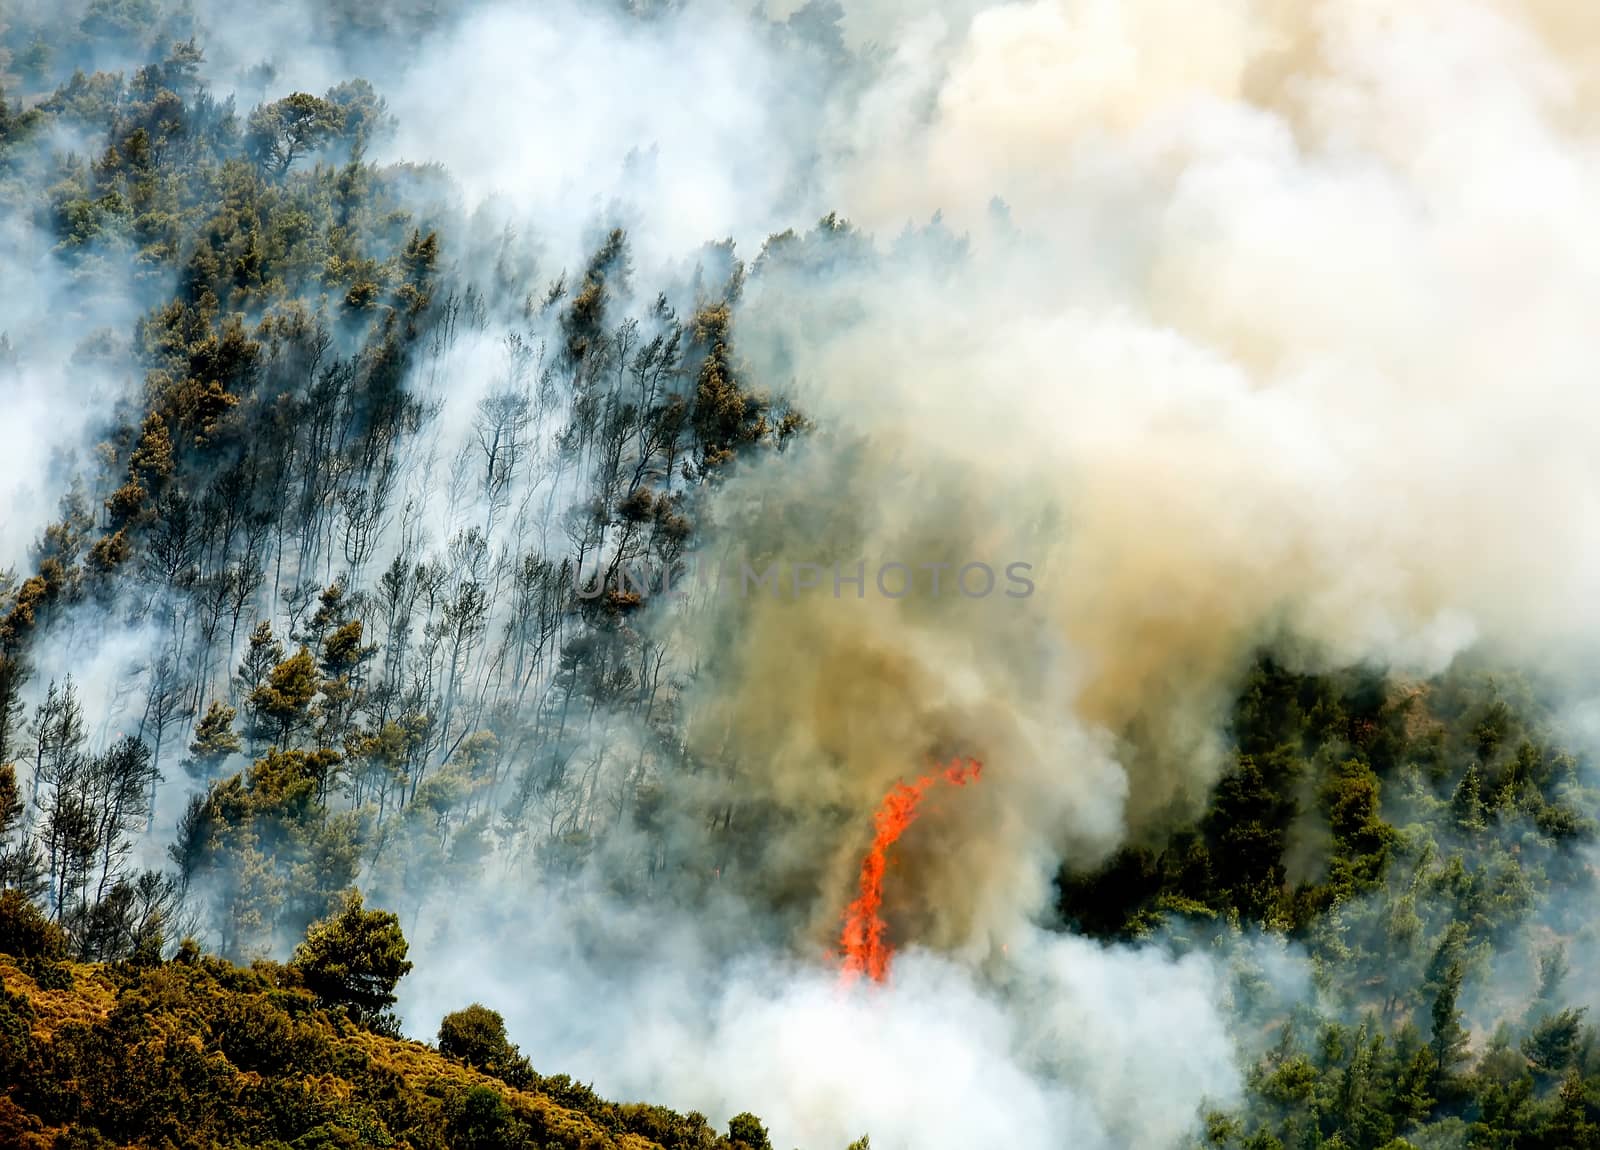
point(863, 944)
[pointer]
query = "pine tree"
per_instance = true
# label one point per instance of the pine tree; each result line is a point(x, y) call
point(152, 461)
point(263, 653)
point(1552, 974)
point(1466, 804)
point(746, 1132)
point(1571, 1128)
point(214, 741)
point(252, 894)
point(1449, 1036)
point(121, 781)
point(354, 959)
point(1554, 1042)
point(282, 702)
point(11, 804)
point(21, 866)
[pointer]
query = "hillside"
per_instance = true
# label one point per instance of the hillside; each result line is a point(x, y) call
point(1428, 846)
point(979, 574)
point(196, 1052)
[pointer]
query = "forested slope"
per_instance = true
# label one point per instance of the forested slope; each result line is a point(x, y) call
point(199, 1052)
point(1428, 846)
point(288, 298)
point(340, 626)
point(392, 702)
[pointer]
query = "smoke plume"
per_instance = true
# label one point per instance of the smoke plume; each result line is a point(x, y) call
point(1180, 330)
point(1266, 319)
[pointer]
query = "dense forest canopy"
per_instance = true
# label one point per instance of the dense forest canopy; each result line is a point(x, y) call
point(507, 506)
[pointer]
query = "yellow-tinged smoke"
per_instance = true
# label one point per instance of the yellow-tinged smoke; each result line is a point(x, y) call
point(1290, 341)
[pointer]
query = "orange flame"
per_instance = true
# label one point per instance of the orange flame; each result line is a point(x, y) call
point(865, 949)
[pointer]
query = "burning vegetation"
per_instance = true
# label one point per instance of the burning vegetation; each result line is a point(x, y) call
point(864, 943)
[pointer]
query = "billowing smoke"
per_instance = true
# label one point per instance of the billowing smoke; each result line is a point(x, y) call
point(1265, 322)
point(1277, 335)
point(1101, 1047)
point(1164, 333)
point(62, 338)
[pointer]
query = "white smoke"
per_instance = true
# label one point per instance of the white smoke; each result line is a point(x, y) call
point(1292, 335)
point(1288, 338)
point(1105, 1046)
